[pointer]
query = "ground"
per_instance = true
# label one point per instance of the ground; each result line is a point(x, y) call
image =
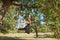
point(24, 36)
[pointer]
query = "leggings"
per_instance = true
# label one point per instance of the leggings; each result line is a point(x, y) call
point(27, 28)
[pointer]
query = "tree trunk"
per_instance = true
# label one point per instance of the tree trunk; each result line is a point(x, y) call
point(6, 4)
point(36, 30)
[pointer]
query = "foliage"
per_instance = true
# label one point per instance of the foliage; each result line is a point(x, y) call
point(51, 9)
point(9, 19)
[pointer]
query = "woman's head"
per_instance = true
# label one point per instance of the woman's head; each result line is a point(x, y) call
point(28, 19)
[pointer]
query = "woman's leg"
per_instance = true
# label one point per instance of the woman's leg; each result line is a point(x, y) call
point(27, 29)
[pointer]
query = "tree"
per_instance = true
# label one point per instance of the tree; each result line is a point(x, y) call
point(51, 9)
point(6, 4)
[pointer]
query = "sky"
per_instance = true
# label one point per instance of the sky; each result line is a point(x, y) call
point(41, 16)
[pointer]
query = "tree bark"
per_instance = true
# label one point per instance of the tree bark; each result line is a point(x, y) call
point(36, 30)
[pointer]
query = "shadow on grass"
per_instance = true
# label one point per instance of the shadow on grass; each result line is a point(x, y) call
point(45, 36)
point(10, 38)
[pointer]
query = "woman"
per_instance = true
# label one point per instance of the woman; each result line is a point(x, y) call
point(27, 28)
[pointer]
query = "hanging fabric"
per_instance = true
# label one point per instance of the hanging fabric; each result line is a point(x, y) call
point(21, 22)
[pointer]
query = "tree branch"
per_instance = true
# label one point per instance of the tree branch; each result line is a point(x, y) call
point(27, 6)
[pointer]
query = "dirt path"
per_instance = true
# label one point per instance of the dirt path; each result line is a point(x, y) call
point(23, 36)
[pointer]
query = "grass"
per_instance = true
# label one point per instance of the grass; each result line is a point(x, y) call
point(24, 36)
point(10, 38)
